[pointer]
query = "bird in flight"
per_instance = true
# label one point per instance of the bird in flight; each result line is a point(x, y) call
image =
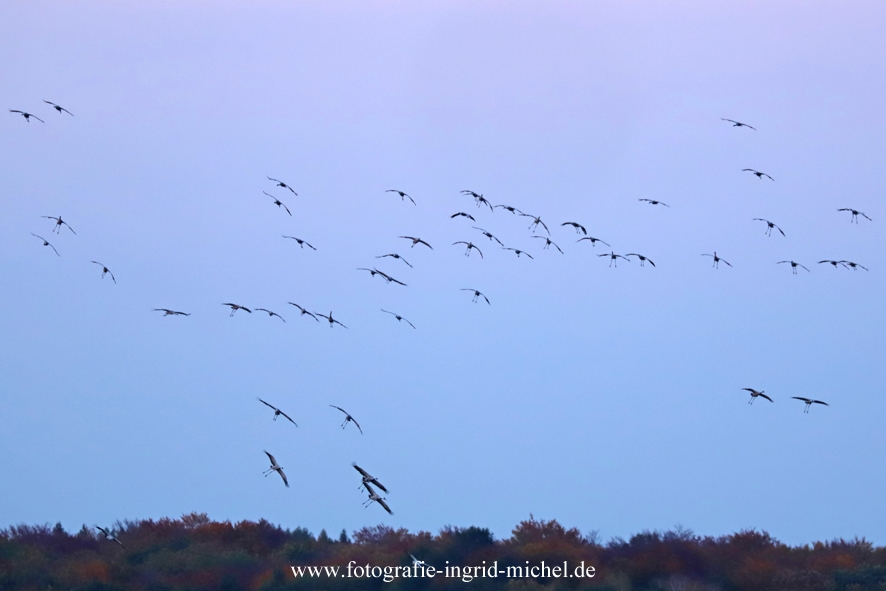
point(853, 266)
point(548, 243)
point(275, 467)
point(301, 243)
point(513, 210)
point(417, 241)
point(737, 123)
point(654, 202)
point(488, 235)
point(794, 265)
point(641, 257)
point(331, 320)
point(368, 477)
point(271, 314)
point(27, 115)
point(759, 174)
point(168, 312)
point(235, 307)
point(518, 251)
point(479, 199)
point(58, 108)
point(394, 256)
point(613, 258)
point(833, 263)
point(593, 240)
point(105, 271)
point(579, 229)
point(109, 536)
point(373, 272)
point(769, 226)
point(417, 563)
point(277, 202)
point(855, 214)
point(755, 393)
point(45, 242)
point(284, 185)
point(536, 221)
point(374, 496)
point(348, 418)
point(469, 245)
point(464, 215)
point(303, 311)
point(403, 196)
point(278, 412)
point(716, 259)
point(477, 295)
point(399, 318)
point(809, 402)
point(58, 223)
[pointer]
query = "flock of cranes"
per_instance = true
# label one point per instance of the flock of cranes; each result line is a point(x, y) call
point(536, 226)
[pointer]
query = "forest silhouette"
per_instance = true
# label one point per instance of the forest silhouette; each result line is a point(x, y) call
point(196, 553)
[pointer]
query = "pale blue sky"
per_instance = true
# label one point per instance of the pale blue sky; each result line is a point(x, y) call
point(607, 399)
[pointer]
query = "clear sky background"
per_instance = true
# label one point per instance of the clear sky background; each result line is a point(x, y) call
point(606, 398)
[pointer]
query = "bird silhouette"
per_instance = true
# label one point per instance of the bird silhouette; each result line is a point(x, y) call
point(275, 467)
point(738, 123)
point(304, 312)
point(348, 418)
point(403, 196)
point(271, 314)
point(536, 222)
point(641, 257)
point(105, 271)
point(759, 174)
point(769, 226)
point(235, 307)
point(613, 258)
point(833, 263)
point(58, 108)
point(755, 394)
point(417, 241)
point(301, 243)
point(367, 477)
point(469, 245)
point(477, 295)
point(793, 264)
point(374, 496)
point(331, 320)
point(717, 260)
point(855, 214)
point(464, 215)
point(394, 255)
point(168, 312)
point(398, 317)
point(284, 185)
point(59, 222)
point(277, 202)
point(488, 235)
point(513, 210)
point(518, 251)
point(593, 240)
point(579, 229)
point(278, 412)
point(654, 202)
point(809, 402)
point(548, 243)
point(46, 243)
point(27, 115)
point(853, 266)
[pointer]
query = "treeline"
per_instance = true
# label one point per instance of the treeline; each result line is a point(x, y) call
point(194, 553)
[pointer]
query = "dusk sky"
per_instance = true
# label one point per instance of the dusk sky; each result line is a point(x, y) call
point(609, 399)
